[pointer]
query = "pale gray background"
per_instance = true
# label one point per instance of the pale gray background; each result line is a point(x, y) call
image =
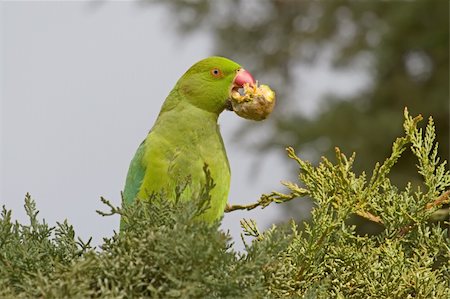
point(82, 84)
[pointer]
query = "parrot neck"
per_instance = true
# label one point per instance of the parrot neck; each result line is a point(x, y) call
point(182, 107)
point(186, 119)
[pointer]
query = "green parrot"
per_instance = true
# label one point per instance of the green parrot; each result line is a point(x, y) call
point(186, 136)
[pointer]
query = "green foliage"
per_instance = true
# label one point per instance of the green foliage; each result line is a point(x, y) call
point(29, 251)
point(409, 258)
point(165, 252)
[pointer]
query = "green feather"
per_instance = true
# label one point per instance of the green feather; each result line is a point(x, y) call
point(135, 175)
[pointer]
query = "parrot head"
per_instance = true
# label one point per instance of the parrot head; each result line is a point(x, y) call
point(208, 83)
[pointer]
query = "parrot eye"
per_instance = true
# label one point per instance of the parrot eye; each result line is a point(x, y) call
point(215, 72)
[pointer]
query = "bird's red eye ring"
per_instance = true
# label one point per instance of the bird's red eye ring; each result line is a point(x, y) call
point(217, 73)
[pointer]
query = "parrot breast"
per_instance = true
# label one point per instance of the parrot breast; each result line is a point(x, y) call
point(177, 148)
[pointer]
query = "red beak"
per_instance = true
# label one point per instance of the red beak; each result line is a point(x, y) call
point(243, 77)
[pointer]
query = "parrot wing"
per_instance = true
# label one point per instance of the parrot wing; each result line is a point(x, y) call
point(135, 175)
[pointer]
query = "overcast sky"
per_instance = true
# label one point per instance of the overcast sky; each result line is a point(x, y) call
point(81, 86)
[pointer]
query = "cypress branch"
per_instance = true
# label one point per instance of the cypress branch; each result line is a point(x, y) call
point(163, 251)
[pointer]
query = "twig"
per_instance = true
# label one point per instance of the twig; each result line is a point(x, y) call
point(267, 199)
point(230, 208)
point(444, 198)
point(280, 198)
point(114, 210)
point(370, 216)
point(263, 202)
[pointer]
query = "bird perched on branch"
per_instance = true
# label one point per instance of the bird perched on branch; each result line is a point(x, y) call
point(186, 136)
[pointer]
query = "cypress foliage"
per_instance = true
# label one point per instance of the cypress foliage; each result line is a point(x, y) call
point(163, 252)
